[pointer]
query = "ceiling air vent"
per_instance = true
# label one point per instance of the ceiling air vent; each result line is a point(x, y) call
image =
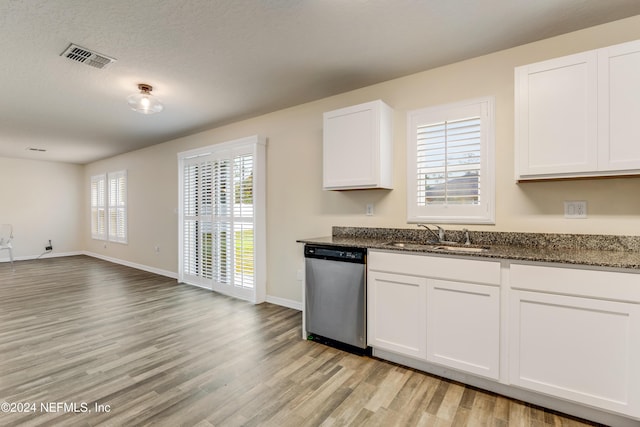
point(86, 56)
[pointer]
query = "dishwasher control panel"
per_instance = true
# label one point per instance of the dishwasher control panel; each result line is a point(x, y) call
point(336, 253)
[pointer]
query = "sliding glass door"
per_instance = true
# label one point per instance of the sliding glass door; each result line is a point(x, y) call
point(222, 218)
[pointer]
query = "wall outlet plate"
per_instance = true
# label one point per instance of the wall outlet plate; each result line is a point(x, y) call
point(575, 209)
point(369, 211)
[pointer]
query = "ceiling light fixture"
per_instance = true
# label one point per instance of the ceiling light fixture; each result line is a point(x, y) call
point(144, 102)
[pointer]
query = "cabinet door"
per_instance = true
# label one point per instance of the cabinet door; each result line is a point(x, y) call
point(463, 326)
point(582, 349)
point(356, 147)
point(556, 116)
point(619, 103)
point(396, 318)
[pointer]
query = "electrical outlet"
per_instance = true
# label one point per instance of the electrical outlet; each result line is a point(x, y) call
point(369, 211)
point(575, 209)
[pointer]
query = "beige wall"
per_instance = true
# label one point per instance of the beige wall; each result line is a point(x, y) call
point(42, 200)
point(152, 202)
point(297, 206)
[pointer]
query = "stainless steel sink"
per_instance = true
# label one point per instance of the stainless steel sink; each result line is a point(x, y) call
point(411, 245)
point(438, 247)
point(467, 249)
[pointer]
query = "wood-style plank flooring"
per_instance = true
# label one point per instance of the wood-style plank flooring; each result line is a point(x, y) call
point(79, 330)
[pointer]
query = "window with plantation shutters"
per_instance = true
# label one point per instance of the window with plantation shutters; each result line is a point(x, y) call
point(222, 213)
point(117, 208)
point(450, 163)
point(109, 206)
point(98, 207)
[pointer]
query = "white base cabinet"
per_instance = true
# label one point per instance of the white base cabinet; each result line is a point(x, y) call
point(426, 307)
point(563, 337)
point(398, 315)
point(568, 341)
point(463, 326)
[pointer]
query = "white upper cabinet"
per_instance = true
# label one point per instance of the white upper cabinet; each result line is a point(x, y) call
point(574, 115)
point(556, 116)
point(358, 147)
point(619, 104)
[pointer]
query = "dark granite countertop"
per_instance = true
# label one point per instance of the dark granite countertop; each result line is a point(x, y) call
point(587, 250)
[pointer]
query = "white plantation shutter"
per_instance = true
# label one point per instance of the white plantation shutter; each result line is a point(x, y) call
point(109, 207)
point(221, 205)
point(450, 163)
point(244, 255)
point(117, 209)
point(98, 207)
point(243, 224)
point(221, 237)
point(197, 219)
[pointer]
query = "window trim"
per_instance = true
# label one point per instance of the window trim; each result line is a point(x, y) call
point(483, 213)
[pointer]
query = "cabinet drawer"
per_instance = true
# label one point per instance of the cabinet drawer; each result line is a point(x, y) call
point(609, 285)
point(438, 267)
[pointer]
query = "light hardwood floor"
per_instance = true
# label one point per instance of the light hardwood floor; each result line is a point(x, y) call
point(83, 331)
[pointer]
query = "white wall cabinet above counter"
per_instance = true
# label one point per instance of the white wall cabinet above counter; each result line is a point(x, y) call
point(575, 116)
point(358, 147)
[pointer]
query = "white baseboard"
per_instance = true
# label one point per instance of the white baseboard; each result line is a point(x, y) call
point(296, 305)
point(42, 256)
point(142, 267)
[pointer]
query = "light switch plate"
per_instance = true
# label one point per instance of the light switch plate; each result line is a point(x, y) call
point(575, 209)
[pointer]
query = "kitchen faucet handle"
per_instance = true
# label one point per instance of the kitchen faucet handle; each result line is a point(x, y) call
point(467, 240)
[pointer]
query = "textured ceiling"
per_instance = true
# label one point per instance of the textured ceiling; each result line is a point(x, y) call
point(217, 61)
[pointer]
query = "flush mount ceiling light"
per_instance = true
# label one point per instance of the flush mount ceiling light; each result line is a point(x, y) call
point(144, 102)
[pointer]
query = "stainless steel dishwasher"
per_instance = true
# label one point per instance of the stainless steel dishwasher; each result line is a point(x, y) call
point(335, 296)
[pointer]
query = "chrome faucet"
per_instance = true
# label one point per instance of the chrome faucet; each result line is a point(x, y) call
point(439, 236)
point(467, 240)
